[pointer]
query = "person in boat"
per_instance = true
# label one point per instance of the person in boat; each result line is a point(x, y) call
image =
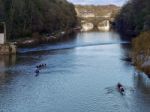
point(120, 87)
point(41, 66)
point(37, 71)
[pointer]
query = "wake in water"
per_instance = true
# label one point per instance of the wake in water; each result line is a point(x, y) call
point(114, 90)
point(64, 46)
point(124, 99)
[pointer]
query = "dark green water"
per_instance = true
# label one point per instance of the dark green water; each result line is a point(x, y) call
point(81, 76)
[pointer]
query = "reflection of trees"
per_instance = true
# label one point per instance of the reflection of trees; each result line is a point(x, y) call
point(126, 47)
point(4, 78)
point(5, 61)
point(140, 98)
point(126, 53)
point(142, 83)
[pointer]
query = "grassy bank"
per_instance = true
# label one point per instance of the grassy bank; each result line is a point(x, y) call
point(141, 51)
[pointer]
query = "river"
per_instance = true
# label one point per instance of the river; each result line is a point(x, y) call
point(81, 76)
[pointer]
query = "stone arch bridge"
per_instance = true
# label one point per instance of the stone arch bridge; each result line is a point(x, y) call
point(96, 23)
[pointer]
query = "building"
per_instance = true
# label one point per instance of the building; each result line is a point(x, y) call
point(85, 13)
point(5, 47)
point(2, 34)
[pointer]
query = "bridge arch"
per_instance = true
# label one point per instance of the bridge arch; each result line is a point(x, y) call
point(87, 26)
point(104, 25)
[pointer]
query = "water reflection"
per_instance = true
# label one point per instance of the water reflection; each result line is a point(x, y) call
point(142, 83)
point(141, 97)
point(6, 61)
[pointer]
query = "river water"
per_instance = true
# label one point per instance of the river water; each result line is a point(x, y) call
point(81, 76)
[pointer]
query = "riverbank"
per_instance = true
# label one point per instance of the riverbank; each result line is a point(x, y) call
point(143, 67)
point(37, 39)
point(141, 52)
point(134, 20)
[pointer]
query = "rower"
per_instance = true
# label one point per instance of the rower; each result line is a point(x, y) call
point(37, 71)
point(120, 87)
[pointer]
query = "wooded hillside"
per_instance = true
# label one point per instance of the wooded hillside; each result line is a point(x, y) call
point(25, 17)
point(134, 17)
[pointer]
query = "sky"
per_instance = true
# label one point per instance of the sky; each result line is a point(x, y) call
point(99, 2)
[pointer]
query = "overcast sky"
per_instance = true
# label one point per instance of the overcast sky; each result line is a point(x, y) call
point(99, 2)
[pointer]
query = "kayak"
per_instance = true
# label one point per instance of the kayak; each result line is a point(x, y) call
point(120, 88)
